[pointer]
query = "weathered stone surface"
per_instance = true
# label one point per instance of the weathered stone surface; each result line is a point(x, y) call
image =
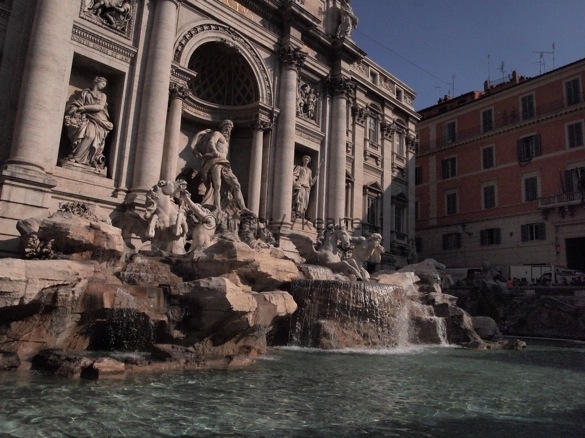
point(486, 328)
point(9, 361)
point(429, 271)
point(141, 270)
point(22, 280)
point(257, 268)
point(103, 367)
point(284, 302)
point(60, 362)
point(405, 280)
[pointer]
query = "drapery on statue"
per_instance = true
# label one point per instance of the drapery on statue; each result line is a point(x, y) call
point(348, 20)
point(223, 187)
point(116, 13)
point(88, 124)
point(302, 183)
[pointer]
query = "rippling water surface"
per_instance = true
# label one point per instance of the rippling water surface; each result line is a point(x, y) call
point(418, 392)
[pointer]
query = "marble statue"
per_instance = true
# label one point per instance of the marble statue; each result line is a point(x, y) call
point(327, 251)
point(366, 249)
point(223, 187)
point(307, 99)
point(114, 13)
point(302, 184)
point(88, 123)
point(348, 20)
point(166, 220)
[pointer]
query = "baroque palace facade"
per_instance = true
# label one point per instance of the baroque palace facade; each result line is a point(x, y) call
point(500, 174)
point(101, 100)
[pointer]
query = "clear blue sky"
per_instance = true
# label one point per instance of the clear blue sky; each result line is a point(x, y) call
point(424, 43)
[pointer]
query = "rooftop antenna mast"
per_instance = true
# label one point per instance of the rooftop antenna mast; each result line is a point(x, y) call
point(488, 63)
point(542, 61)
point(503, 70)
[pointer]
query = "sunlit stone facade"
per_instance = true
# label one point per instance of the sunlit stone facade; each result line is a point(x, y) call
point(287, 73)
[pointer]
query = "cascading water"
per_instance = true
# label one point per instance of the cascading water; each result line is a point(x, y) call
point(343, 314)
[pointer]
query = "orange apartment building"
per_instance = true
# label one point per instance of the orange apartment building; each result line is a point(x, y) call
point(500, 174)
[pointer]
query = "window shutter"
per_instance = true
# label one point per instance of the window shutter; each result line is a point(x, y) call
point(524, 231)
point(520, 150)
point(568, 183)
point(542, 231)
point(482, 237)
point(458, 240)
point(537, 151)
point(444, 170)
point(497, 236)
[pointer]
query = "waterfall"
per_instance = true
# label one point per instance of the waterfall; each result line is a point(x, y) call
point(343, 314)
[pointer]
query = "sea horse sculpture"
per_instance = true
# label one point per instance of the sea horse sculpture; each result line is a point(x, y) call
point(327, 253)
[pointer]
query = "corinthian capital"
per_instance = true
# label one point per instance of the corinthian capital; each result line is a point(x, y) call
point(292, 57)
point(261, 123)
point(178, 91)
point(341, 86)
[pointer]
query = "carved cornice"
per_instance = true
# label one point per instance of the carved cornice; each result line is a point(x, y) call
point(292, 57)
point(182, 75)
point(178, 91)
point(101, 44)
point(294, 14)
point(308, 132)
point(341, 86)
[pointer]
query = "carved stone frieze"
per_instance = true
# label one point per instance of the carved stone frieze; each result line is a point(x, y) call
point(308, 98)
point(101, 44)
point(115, 15)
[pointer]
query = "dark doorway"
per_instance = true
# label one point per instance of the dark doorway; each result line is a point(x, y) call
point(576, 253)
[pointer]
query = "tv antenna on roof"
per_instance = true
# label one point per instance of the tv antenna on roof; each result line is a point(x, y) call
point(503, 70)
point(542, 62)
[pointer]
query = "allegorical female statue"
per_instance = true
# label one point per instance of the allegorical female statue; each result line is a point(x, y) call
point(88, 123)
point(303, 181)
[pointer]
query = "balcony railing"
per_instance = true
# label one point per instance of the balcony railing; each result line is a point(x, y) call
point(502, 120)
point(561, 200)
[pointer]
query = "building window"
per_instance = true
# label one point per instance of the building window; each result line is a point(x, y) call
point(398, 94)
point(401, 145)
point(418, 175)
point(529, 147)
point(573, 92)
point(527, 105)
point(575, 134)
point(452, 241)
point(451, 203)
point(416, 210)
point(490, 236)
point(489, 196)
point(373, 209)
point(488, 157)
point(533, 232)
point(373, 129)
point(573, 177)
point(400, 218)
point(530, 188)
point(418, 244)
point(450, 134)
point(487, 120)
point(449, 167)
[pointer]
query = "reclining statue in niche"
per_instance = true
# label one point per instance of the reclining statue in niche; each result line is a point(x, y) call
point(223, 188)
point(115, 13)
point(88, 124)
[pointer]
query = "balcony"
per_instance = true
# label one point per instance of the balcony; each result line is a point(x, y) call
point(561, 200)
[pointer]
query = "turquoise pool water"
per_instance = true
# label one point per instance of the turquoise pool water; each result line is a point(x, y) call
point(416, 392)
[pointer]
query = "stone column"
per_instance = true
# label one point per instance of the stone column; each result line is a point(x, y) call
point(155, 95)
point(291, 60)
point(177, 93)
point(341, 88)
point(255, 176)
point(39, 116)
